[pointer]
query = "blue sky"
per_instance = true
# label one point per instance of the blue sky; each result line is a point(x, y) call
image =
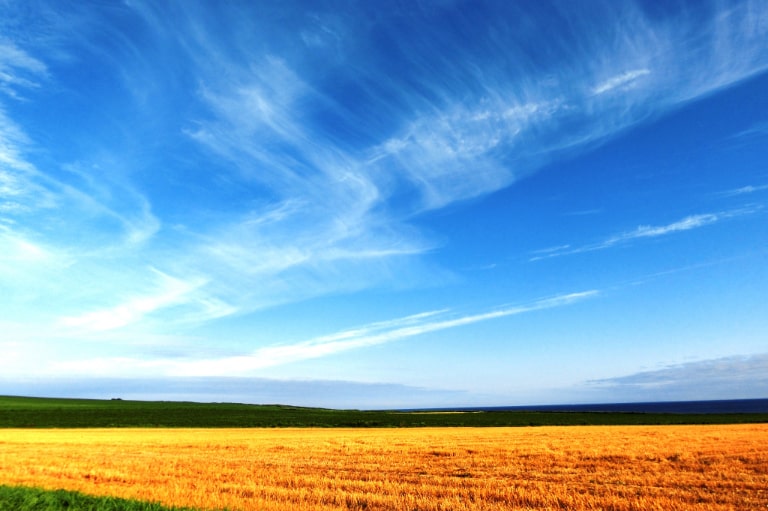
point(371, 204)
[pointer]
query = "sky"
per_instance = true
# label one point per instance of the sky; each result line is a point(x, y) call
point(384, 204)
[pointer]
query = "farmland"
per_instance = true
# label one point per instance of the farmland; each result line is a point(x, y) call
point(712, 467)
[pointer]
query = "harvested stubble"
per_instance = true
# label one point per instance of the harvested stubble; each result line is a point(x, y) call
point(553, 468)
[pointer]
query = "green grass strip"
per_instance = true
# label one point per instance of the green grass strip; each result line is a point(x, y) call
point(23, 412)
point(20, 498)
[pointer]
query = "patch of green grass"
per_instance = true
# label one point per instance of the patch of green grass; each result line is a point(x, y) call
point(19, 498)
point(20, 412)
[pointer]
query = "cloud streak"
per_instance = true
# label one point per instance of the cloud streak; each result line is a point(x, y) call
point(745, 190)
point(18, 69)
point(371, 335)
point(624, 80)
point(171, 292)
point(645, 231)
point(324, 346)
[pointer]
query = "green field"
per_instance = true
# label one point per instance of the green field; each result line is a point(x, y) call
point(15, 498)
point(21, 412)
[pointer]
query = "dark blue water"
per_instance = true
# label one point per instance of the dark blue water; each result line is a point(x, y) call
point(682, 407)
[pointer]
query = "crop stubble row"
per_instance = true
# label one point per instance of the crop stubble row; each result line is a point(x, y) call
point(618, 468)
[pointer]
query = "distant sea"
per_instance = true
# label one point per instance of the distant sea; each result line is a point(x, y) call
point(682, 407)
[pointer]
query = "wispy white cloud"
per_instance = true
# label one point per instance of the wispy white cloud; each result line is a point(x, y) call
point(759, 129)
point(168, 292)
point(93, 360)
point(270, 356)
point(34, 195)
point(18, 191)
point(645, 231)
point(18, 69)
point(489, 128)
point(57, 234)
point(11, 139)
point(621, 81)
point(454, 154)
point(744, 190)
point(322, 221)
point(546, 252)
point(17, 250)
point(373, 334)
point(687, 223)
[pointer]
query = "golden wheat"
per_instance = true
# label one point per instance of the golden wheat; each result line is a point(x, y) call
point(619, 468)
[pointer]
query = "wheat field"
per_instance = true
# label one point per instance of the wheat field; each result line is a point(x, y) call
point(550, 468)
